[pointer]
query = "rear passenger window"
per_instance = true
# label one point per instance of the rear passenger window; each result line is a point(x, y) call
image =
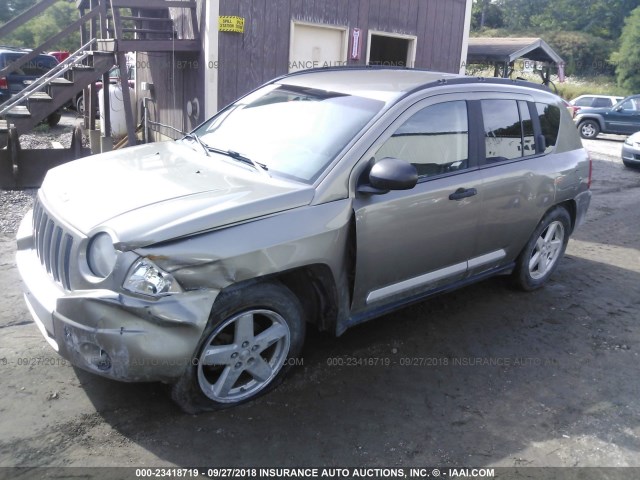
point(601, 102)
point(549, 116)
point(584, 102)
point(435, 139)
point(502, 130)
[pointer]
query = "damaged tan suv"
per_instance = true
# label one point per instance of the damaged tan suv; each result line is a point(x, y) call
point(325, 197)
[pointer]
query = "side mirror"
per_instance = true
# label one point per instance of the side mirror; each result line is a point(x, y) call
point(618, 108)
point(390, 174)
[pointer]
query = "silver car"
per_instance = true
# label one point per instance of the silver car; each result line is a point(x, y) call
point(631, 150)
point(324, 197)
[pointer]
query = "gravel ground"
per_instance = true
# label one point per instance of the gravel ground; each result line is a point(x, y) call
point(13, 205)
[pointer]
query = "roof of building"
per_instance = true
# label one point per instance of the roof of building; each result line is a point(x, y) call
point(507, 50)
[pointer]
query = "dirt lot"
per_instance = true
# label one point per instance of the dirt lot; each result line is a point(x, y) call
point(498, 377)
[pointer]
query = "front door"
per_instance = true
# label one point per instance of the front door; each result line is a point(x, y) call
point(625, 119)
point(414, 240)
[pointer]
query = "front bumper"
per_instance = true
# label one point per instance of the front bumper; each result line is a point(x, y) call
point(115, 335)
point(631, 154)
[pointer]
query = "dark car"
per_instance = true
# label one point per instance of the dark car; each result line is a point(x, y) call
point(14, 82)
point(622, 119)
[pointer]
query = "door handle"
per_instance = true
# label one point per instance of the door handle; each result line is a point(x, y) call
point(461, 193)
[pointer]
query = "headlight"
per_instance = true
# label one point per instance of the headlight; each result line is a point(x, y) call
point(627, 141)
point(146, 278)
point(101, 255)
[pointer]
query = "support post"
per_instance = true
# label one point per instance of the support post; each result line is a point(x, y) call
point(126, 98)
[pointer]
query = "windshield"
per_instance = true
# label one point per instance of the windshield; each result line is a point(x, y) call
point(292, 131)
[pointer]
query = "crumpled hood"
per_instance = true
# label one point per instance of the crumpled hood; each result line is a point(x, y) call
point(161, 191)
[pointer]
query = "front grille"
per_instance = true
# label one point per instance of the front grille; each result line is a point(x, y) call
point(53, 245)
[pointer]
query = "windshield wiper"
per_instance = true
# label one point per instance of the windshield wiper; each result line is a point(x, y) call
point(194, 136)
point(261, 167)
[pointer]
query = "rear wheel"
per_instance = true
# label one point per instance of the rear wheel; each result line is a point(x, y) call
point(80, 105)
point(246, 349)
point(543, 252)
point(589, 129)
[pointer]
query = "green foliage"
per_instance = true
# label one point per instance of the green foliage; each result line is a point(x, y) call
point(627, 58)
point(518, 14)
point(13, 8)
point(584, 33)
point(583, 54)
point(485, 14)
point(37, 30)
point(590, 85)
point(602, 18)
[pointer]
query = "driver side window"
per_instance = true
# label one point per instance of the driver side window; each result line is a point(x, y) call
point(435, 140)
point(629, 105)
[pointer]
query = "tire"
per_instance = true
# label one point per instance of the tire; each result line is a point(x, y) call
point(53, 119)
point(80, 105)
point(589, 129)
point(252, 334)
point(542, 254)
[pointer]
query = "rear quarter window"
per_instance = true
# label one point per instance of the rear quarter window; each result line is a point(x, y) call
point(549, 116)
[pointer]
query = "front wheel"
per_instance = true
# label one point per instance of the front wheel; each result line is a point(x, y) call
point(246, 349)
point(543, 251)
point(589, 129)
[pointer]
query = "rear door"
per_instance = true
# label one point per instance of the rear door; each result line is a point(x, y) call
point(416, 240)
point(518, 185)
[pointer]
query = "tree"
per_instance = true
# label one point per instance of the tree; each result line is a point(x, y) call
point(627, 58)
point(37, 30)
point(485, 14)
point(517, 14)
point(13, 8)
point(602, 18)
point(583, 54)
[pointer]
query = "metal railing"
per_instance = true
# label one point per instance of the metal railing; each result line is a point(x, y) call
point(59, 70)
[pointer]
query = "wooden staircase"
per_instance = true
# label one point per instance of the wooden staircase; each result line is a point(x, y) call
point(109, 29)
point(50, 93)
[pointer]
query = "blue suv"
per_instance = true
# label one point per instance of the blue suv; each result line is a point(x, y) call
point(17, 80)
point(622, 119)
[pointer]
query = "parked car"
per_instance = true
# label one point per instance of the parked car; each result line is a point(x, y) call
point(588, 102)
point(631, 150)
point(325, 197)
point(622, 119)
point(14, 82)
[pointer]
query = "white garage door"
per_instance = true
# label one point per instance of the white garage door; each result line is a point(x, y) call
point(314, 46)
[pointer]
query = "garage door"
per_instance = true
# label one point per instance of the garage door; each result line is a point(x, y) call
point(314, 46)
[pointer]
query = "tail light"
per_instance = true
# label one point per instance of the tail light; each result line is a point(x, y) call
point(3, 83)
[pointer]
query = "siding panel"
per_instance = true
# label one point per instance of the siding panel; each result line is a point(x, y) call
point(262, 51)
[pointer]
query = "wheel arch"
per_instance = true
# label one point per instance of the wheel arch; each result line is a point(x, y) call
point(571, 207)
point(315, 287)
point(597, 118)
